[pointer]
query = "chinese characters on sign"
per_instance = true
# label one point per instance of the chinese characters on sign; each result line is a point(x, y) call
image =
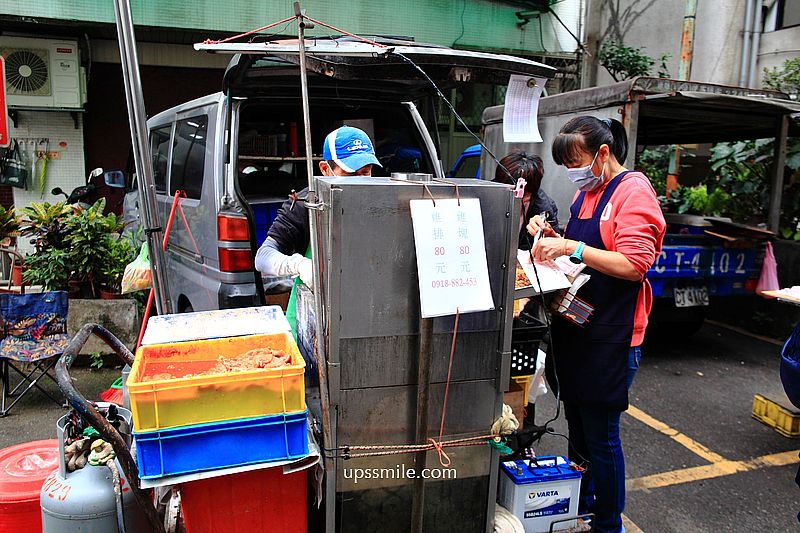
point(521, 109)
point(451, 257)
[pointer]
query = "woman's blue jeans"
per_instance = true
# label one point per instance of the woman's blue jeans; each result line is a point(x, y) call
point(594, 438)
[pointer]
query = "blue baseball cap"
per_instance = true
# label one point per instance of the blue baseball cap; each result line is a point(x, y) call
point(350, 148)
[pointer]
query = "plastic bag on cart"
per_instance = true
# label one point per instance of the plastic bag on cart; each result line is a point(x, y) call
point(768, 281)
point(137, 276)
point(538, 385)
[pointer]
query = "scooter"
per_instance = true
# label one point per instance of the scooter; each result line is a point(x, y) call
point(99, 184)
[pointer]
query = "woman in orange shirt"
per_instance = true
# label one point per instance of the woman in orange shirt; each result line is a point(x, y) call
point(616, 228)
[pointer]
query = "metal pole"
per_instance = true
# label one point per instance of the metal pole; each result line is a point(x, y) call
point(752, 77)
point(319, 308)
point(776, 191)
point(748, 29)
point(423, 395)
point(141, 153)
point(594, 14)
point(687, 40)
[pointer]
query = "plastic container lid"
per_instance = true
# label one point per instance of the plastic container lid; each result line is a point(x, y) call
point(203, 325)
point(550, 468)
point(23, 469)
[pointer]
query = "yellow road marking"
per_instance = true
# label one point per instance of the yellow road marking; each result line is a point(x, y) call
point(677, 436)
point(718, 469)
point(629, 526)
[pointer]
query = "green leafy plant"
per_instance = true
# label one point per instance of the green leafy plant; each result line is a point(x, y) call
point(663, 69)
point(9, 225)
point(120, 250)
point(654, 163)
point(624, 62)
point(786, 78)
point(96, 361)
point(88, 237)
point(697, 201)
point(44, 222)
point(49, 268)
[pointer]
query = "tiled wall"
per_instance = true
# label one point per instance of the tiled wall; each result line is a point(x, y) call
point(67, 171)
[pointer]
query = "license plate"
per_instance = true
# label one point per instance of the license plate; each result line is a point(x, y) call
point(691, 296)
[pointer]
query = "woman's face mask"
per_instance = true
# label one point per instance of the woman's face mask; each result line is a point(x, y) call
point(584, 178)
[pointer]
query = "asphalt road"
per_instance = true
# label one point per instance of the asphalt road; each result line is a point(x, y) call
point(710, 473)
point(696, 460)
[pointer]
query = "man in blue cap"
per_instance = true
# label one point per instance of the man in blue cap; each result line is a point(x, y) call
point(286, 251)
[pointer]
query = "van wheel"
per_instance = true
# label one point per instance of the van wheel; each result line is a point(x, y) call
point(188, 309)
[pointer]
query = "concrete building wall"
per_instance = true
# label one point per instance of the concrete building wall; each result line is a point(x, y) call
point(484, 24)
point(778, 46)
point(657, 27)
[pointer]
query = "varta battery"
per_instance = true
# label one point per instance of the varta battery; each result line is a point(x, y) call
point(539, 491)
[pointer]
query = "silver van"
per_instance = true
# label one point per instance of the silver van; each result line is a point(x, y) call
point(239, 153)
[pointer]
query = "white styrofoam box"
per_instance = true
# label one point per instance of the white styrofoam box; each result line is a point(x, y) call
point(182, 327)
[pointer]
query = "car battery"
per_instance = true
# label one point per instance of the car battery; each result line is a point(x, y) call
point(540, 491)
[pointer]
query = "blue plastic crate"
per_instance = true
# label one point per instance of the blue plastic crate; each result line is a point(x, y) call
point(263, 216)
point(203, 447)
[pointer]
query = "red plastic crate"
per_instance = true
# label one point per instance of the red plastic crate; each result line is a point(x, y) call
point(260, 501)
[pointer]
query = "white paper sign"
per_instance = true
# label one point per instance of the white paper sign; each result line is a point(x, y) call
point(521, 109)
point(451, 257)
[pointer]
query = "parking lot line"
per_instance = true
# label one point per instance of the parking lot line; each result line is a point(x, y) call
point(629, 526)
point(717, 469)
point(744, 332)
point(688, 443)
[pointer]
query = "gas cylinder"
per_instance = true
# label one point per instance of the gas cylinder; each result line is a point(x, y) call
point(84, 500)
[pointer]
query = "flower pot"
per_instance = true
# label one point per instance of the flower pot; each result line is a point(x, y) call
point(110, 295)
point(16, 275)
point(84, 289)
point(73, 292)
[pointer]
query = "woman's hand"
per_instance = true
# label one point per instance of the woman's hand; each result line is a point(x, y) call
point(549, 248)
point(537, 224)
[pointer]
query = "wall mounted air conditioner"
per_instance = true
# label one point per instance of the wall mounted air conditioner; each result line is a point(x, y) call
point(42, 73)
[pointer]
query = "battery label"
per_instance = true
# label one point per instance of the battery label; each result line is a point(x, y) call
point(547, 502)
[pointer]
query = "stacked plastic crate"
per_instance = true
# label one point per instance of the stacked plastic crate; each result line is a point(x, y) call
point(190, 417)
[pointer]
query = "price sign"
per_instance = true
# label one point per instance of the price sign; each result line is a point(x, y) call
point(451, 257)
point(4, 137)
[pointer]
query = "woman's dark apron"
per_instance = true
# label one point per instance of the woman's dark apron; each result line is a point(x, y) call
point(592, 361)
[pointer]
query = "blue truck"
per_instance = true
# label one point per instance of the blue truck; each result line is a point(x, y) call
point(703, 259)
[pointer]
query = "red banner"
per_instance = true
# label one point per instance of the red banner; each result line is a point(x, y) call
point(4, 137)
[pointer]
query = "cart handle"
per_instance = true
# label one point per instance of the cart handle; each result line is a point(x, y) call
point(88, 411)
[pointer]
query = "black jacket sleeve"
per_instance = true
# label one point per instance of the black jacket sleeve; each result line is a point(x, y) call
point(291, 228)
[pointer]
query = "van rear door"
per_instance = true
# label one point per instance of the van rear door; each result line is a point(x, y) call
point(385, 69)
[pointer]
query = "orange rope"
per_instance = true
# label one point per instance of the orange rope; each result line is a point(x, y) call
point(334, 28)
point(412, 448)
point(251, 32)
point(446, 390)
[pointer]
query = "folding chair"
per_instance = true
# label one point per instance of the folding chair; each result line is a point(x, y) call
point(34, 330)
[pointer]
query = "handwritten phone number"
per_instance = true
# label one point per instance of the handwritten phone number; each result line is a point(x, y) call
point(454, 282)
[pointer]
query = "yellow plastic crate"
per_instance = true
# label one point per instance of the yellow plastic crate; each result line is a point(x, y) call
point(183, 401)
point(776, 416)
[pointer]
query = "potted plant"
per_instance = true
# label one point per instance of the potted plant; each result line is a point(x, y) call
point(9, 229)
point(88, 238)
point(49, 268)
point(45, 223)
point(120, 251)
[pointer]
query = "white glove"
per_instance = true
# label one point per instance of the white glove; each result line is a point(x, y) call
point(305, 269)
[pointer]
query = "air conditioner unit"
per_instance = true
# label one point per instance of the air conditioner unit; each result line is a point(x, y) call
point(42, 73)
